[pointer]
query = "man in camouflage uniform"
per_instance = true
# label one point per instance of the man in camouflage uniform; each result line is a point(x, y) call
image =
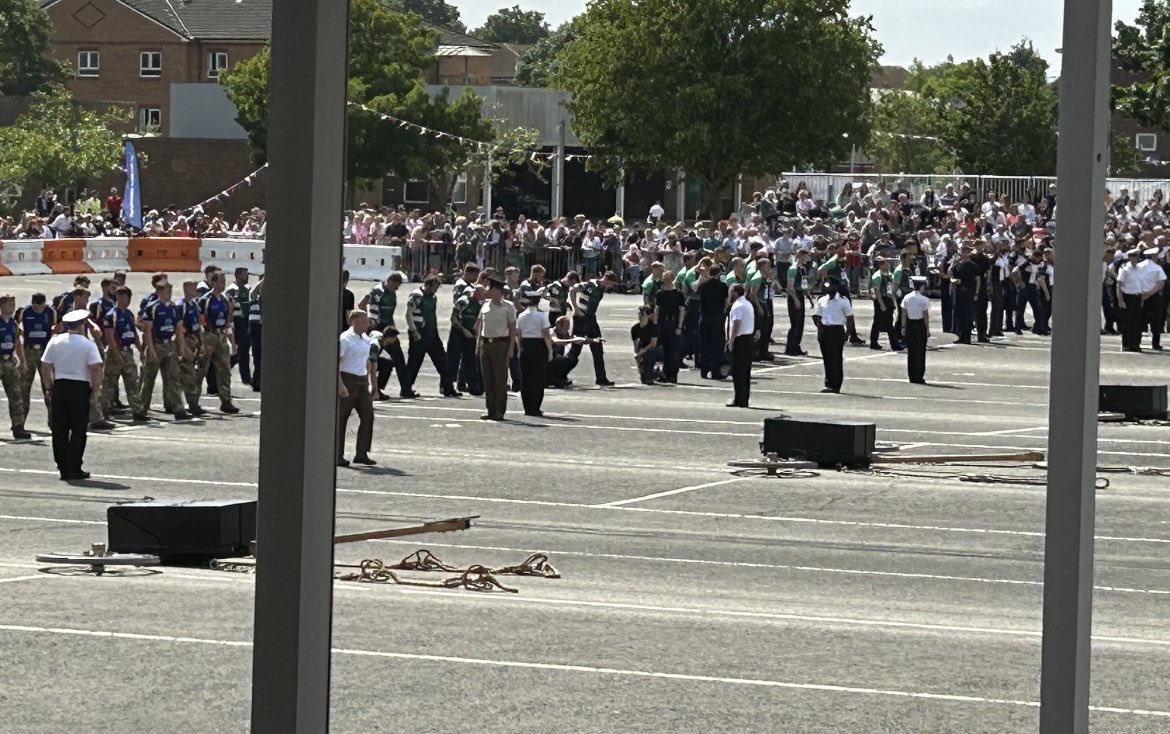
point(37, 322)
point(10, 365)
point(161, 327)
point(219, 344)
point(193, 358)
point(121, 340)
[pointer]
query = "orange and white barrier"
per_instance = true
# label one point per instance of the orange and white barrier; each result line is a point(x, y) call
point(229, 254)
point(23, 257)
point(107, 254)
point(170, 255)
point(371, 262)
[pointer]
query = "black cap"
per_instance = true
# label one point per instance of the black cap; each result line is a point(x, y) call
point(495, 283)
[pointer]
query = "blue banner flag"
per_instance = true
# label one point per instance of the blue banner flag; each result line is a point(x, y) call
point(132, 198)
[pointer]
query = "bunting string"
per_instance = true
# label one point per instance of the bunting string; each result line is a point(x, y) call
point(422, 130)
point(245, 181)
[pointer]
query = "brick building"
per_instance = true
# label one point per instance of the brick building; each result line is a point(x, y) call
point(131, 51)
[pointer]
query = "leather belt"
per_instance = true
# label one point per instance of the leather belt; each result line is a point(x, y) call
point(496, 339)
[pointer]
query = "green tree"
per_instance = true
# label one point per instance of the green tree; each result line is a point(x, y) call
point(906, 135)
point(435, 12)
point(998, 116)
point(537, 64)
point(718, 87)
point(59, 142)
point(388, 53)
point(25, 63)
point(1124, 157)
point(514, 25)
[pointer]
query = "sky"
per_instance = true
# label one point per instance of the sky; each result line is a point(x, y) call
point(908, 29)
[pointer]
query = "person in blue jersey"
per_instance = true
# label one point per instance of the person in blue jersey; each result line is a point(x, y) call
point(161, 326)
point(122, 341)
point(37, 322)
point(11, 364)
point(219, 344)
point(192, 356)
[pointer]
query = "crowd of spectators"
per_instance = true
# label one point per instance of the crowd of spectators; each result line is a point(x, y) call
point(91, 216)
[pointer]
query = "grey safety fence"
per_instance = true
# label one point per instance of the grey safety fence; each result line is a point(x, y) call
point(828, 186)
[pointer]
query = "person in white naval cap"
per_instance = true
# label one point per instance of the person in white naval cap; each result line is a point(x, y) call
point(916, 328)
point(1153, 283)
point(71, 369)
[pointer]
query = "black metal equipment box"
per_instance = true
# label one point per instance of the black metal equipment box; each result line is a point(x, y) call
point(1146, 402)
point(828, 443)
point(183, 530)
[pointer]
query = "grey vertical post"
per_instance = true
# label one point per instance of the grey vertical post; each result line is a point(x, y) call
point(1076, 343)
point(619, 200)
point(487, 187)
point(298, 434)
point(558, 189)
point(680, 197)
point(737, 192)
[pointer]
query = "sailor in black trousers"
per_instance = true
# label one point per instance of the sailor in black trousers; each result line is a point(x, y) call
point(741, 331)
point(833, 313)
point(916, 327)
point(71, 369)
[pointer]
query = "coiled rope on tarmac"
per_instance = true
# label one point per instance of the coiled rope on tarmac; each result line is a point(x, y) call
point(475, 577)
point(1099, 483)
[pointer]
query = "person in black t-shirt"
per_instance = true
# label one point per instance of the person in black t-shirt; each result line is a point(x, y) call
point(670, 307)
point(712, 308)
point(964, 282)
point(983, 259)
point(647, 353)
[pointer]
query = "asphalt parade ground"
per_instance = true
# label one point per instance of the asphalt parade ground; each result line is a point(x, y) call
point(693, 598)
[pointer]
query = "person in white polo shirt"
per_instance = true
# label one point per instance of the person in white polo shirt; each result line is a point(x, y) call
point(916, 327)
point(1153, 281)
point(741, 329)
point(833, 313)
point(1129, 301)
point(71, 370)
point(357, 384)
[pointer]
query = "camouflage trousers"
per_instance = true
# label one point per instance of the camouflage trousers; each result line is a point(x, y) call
point(127, 370)
point(32, 369)
point(166, 360)
point(10, 376)
point(219, 359)
point(190, 371)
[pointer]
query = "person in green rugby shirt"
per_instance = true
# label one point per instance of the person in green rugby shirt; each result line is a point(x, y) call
point(461, 360)
point(881, 286)
point(557, 293)
point(832, 271)
point(586, 298)
point(686, 280)
point(381, 303)
point(797, 293)
point(651, 285)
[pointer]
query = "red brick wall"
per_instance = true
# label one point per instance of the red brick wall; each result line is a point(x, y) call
point(119, 34)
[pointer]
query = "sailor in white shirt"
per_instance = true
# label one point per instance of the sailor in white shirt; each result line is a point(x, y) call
point(1153, 282)
point(535, 347)
point(357, 384)
point(71, 370)
point(1129, 301)
point(916, 327)
point(833, 313)
point(741, 330)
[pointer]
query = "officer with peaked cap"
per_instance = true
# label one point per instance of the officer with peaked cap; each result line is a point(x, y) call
point(1153, 283)
point(71, 368)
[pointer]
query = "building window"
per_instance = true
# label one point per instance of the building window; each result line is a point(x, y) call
point(150, 64)
point(459, 195)
point(415, 192)
point(149, 119)
point(1147, 142)
point(88, 63)
point(217, 61)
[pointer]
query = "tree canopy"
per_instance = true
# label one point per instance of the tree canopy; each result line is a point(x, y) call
point(906, 135)
point(514, 25)
point(435, 12)
point(991, 116)
point(1143, 50)
point(536, 65)
point(60, 142)
point(25, 64)
point(388, 53)
point(718, 87)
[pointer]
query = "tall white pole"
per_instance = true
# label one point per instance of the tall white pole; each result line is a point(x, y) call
point(487, 187)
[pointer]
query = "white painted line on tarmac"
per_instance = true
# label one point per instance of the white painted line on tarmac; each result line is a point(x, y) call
point(682, 513)
point(33, 577)
point(777, 616)
point(26, 518)
point(770, 566)
point(670, 492)
point(621, 672)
